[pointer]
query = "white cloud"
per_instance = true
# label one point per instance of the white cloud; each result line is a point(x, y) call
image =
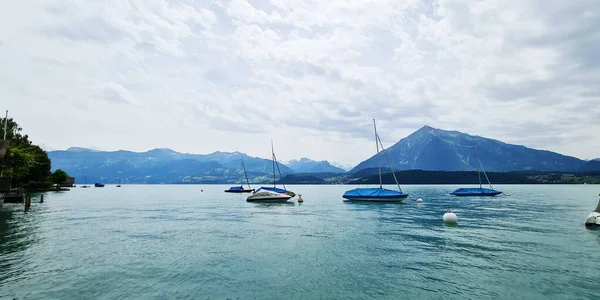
point(229, 75)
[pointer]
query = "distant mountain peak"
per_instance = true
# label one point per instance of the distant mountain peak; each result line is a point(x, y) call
point(307, 165)
point(162, 150)
point(435, 149)
point(80, 149)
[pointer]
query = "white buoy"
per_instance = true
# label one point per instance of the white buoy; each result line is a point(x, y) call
point(593, 220)
point(420, 200)
point(300, 198)
point(450, 217)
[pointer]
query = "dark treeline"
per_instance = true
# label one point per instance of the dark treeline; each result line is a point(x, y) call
point(463, 177)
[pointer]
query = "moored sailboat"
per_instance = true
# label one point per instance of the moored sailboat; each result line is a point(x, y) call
point(480, 191)
point(377, 194)
point(241, 189)
point(272, 194)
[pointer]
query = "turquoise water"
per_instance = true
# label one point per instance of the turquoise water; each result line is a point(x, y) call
point(176, 242)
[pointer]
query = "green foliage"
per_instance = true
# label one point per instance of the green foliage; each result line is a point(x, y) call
point(24, 162)
point(59, 176)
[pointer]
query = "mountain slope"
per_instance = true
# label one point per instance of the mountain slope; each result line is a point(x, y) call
point(440, 150)
point(305, 165)
point(160, 166)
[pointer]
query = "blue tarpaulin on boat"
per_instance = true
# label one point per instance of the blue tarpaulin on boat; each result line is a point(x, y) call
point(373, 193)
point(236, 188)
point(475, 192)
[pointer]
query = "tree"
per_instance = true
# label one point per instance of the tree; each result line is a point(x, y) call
point(24, 162)
point(59, 176)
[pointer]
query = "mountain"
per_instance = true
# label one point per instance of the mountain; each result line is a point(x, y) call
point(344, 167)
point(161, 166)
point(440, 150)
point(591, 166)
point(305, 165)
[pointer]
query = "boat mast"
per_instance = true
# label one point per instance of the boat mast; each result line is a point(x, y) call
point(273, 159)
point(378, 158)
point(482, 169)
point(245, 174)
point(389, 164)
point(478, 170)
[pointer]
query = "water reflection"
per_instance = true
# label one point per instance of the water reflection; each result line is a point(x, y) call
point(18, 232)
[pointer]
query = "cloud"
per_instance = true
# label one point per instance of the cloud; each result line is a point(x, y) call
point(201, 76)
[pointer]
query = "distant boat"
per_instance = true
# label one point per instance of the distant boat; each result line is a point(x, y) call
point(272, 194)
point(241, 189)
point(98, 184)
point(480, 191)
point(85, 183)
point(593, 220)
point(377, 194)
point(119, 185)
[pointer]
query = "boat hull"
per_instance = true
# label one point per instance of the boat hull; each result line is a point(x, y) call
point(593, 220)
point(268, 196)
point(473, 192)
point(359, 199)
point(239, 191)
point(374, 195)
point(270, 199)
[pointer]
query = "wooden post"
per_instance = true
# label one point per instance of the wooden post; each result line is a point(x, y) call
point(42, 198)
point(27, 202)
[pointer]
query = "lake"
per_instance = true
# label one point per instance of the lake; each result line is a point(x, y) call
point(197, 242)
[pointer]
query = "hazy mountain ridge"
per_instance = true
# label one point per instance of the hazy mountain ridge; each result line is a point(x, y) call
point(306, 165)
point(428, 149)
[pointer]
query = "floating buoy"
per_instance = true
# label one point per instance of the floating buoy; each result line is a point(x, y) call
point(201, 190)
point(506, 194)
point(300, 198)
point(420, 200)
point(450, 217)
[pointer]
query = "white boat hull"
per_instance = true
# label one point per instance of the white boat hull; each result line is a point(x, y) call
point(593, 220)
point(268, 197)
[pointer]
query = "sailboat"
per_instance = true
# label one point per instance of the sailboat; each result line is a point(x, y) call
point(85, 182)
point(593, 220)
point(379, 194)
point(119, 185)
point(272, 194)
point(480, 191)
point(241, 189)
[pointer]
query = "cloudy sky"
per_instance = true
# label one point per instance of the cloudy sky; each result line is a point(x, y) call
point(208, 75)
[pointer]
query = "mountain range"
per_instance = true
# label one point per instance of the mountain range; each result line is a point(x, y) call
point(427, 149)
point(169, 166)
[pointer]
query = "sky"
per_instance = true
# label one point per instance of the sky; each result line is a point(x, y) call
point(216, 75)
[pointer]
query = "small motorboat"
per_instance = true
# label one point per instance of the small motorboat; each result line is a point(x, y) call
point(98, 184)
point(270, 196)
point(593, 220)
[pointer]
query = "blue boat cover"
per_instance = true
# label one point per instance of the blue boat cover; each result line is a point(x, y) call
point(475, 192)
point(272, 189)
point(373, 193)
point(236, 188)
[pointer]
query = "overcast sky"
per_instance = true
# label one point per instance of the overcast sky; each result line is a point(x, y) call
point(216, 75)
